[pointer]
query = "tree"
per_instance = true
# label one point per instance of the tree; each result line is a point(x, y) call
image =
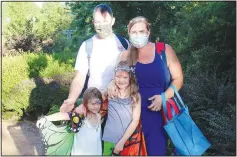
point(34, 29)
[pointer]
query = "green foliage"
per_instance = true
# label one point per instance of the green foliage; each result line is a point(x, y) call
point(18, 68)
point(54, 109)
point(53, 18)
point(210, 95)
point(14, 70)
point(21, 95)
point(29, 28)
point(203, 23)
point(17, 100)
point(34, 97)
point(44, 65)
point(211, 101)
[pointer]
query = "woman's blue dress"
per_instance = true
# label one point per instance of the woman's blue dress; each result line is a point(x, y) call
point(151, 81)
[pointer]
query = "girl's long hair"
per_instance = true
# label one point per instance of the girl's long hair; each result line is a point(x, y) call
point(133, 52)
point(133, 88)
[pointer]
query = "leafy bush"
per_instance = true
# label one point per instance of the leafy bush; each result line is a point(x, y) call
point(18, 68)
point(14, 70)
point(44, 65)
point(212, 106)
point(32, 98)
point(29, 28)
point(22, 90)
point(210, 95)
point(18, 99)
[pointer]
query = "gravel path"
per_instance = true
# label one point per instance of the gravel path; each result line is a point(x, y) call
point(21, 138)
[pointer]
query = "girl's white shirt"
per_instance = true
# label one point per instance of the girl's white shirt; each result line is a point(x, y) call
point(88, 140)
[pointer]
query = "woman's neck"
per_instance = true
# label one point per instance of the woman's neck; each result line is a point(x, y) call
point(142, 52)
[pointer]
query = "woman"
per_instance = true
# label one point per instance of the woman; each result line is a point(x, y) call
point(149, 71)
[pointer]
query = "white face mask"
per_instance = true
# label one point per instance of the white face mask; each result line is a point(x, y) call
point(139, 41)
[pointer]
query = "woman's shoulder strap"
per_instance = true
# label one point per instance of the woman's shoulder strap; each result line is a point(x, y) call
point(160, 47)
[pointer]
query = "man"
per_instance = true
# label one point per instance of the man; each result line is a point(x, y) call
point(103, 58)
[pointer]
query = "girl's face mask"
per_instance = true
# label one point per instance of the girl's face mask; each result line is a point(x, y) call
point(139, 41)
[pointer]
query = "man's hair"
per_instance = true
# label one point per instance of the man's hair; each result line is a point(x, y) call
point(103, 8)
point(91, 93)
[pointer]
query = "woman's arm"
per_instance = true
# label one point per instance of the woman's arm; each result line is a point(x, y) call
point(132, 126)
point(175, 71)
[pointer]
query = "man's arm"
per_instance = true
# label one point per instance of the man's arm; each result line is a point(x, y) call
point(78, 82)
point(76, 86)
point(75, 90)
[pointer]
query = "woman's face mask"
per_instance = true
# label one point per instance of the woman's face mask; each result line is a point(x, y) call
point(139, 41)
point(103, 30)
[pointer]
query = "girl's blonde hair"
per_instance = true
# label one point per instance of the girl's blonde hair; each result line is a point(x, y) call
point(133, 52)
point(133, 88)
point(89, 94)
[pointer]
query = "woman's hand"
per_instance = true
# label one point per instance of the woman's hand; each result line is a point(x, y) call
point(41, 122)
point(118, 147)
point(156, 103)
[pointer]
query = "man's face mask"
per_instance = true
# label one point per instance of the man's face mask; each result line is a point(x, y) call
point(139, 41)
point(103, 30)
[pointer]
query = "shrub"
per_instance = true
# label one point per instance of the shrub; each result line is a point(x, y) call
point(211, 101)
point(22, 91)
point(14, 70)
point(32, 98)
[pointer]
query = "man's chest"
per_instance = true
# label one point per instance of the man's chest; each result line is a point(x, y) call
point(103, 57)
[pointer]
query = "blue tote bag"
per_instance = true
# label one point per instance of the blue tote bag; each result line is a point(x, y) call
point(183, 132)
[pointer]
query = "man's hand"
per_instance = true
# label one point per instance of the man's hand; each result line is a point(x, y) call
point(80, 109)
point(67, 105)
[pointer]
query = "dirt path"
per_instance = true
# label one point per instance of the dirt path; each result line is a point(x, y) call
point(21, 138)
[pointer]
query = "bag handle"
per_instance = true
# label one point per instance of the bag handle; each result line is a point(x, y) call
point(164, 101)
point(177, 94)
point(164, 106)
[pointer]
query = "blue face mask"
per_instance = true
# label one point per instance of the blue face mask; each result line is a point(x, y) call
point(139, 41)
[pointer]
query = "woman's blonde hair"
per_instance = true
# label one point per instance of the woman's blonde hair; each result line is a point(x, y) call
point(133, 88)
point(133, 52)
